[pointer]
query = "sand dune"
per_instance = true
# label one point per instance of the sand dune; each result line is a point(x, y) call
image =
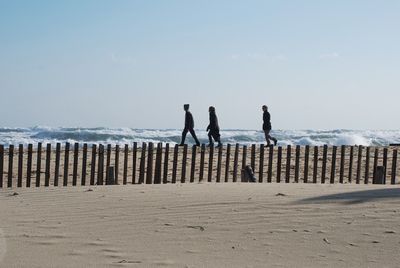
point(201, 225)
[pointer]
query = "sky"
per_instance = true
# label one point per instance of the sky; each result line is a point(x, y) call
point(91, 63)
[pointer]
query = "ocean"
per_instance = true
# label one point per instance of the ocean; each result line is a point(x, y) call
point(129, 135)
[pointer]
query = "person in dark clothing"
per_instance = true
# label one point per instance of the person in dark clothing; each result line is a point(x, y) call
point(213, 128)
point(267, 126)
point(189, 126)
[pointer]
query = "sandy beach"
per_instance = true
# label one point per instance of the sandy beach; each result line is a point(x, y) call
point(201, 225)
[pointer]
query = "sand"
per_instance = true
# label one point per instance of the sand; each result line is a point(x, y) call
point(201, 225)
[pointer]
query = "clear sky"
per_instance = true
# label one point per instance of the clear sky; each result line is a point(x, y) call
point(316, 64)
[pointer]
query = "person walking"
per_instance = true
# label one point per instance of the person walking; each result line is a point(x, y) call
point(267, 126)
point(213, 128)
point(189, 126)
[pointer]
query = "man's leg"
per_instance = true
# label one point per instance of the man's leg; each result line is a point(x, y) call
point(184, 132)
point(210, 138)
point(266, 133)
point(194, 136)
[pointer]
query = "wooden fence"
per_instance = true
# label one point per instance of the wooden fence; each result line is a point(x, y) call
point(157, 164)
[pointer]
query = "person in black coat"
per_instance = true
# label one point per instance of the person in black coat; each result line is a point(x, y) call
point(213, 127)
point(267, 126)
point(189, 126)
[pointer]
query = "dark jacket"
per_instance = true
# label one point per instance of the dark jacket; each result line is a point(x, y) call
point(267, 121)
point(189, 122)
point(213, 126)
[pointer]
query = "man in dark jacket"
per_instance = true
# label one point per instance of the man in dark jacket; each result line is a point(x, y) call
point(213, 128)
point(267, 126)
point(189, 126)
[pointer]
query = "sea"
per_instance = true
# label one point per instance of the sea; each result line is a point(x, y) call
point(103, 135)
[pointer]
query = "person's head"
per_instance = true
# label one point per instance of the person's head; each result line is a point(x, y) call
point(264, 108)
point(186, 107)
point(211, 109)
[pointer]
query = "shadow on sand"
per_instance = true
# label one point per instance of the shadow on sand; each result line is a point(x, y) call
point(356, 197)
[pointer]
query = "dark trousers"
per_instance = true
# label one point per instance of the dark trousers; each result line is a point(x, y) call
point(268, 137)
point(216, 137)
point(191, 130)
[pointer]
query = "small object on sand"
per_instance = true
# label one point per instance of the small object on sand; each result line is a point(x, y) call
point(375, 242)
point(390, 232)
point(14, 194)
point(326, 240)
point(280, 194)
point(201, 228)
point(89, 190)
point(125, 261)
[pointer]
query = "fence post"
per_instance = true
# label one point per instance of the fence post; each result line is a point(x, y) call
point(270, 162)
point(38, 163)
point(84, 163)
point(227, 162)
point(288, 159)
point(351, 163)
point(20, 164)
point(210, 163)
point(125, 173)
point(1, 164)
point(175, 163)
point(10, 165)
point(385, 155)
point(48, 159)
point(333, 164)
point(366, 179)
point(100, 169)
point(235, 162)
point(253, 158)
point(261, 166)
point(193, 163)
point(166, 159)
point(376, 156)
point(306, 158)
point(149, 174)
point(108, 159)
point(324, 159)
point(279, 165)
point(297, 164)
point(219, 164)
point(29, 166)
point(157, 175)
point(134, 159)
point(184, 162)
point(315, 165)
point(75, 166)
point(342, 161)
point(394, 167)
point(359, 162)
point(202, 156)
point(244, 156)
point(93, 165)
point(66, 164)
point(142, 163)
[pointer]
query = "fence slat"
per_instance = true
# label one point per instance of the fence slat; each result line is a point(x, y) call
point(184, 162)
point(366, 177)
point(279, 165)
point(29, 166)
point(202, 156)
point(47, 168)
point(270, 162)
point(93, 164)
point(227, 162)
point(175, 163)
point(253, 158)
point(142, 163)
point(394, 167)
point(10, 165)
point(75, 165)
point(20, 164)
point(38, 163)
point(306, 158)
point(324, 160)
point(385, 156)
point(236, 163)
point(166, 159)
point(66, 164)
point(351, 163)
point(342, 162)
point(108, 161)
point(376, 156)
point(1, 164)
point(210, 163)
point(193, 164)
point(261, 166)
point(116, 164)
point(244, 156)
point(157, 168)
point(84, 163)
point(125, 173)
point(315, 164)
point(359, 162)
point(288, 159)
point(134, 160)
point(297, 164)
point(333, 164)
point(219, 164)
point(100, 168)
point(149, 174)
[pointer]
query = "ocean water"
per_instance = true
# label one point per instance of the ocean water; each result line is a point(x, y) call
point(129, 135)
